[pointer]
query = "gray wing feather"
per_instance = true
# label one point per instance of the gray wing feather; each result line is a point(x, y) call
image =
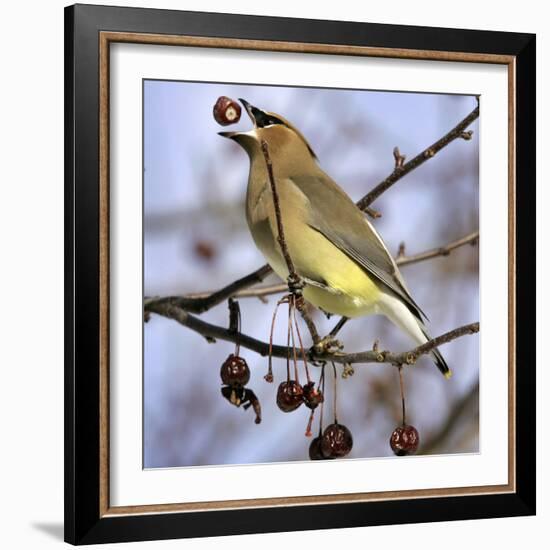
point(338, 219)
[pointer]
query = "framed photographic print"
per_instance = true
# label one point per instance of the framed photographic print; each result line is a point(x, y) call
point(299, 274)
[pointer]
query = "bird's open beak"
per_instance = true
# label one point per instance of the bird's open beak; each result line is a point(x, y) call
point(229, 135)
point(254, 114)
point(251, 111)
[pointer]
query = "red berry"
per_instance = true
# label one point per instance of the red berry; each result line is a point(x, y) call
point(290, 395)
point(235, 371)
point(226, 111)
point(337, 441)
point(315, 450)
point(312, 397)
point(404, 440)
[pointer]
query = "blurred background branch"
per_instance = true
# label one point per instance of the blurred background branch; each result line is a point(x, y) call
point(460, 407)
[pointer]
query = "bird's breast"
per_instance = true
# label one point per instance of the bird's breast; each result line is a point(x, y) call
point(343, 287)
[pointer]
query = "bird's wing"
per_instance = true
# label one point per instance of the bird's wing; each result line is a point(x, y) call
point(339, 220)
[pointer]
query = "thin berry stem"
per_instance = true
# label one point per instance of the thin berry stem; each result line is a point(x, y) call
point(293, 341)
point(335, 393)
point(235, 323)
point(322, 385)
point(269, 376)
point(402, 388)
point(238, 342)
point(288, 348)
point(302, 349)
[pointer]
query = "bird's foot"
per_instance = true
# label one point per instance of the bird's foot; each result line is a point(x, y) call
point(295, 284)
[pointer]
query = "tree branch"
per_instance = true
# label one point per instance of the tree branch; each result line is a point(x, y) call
point(204, 302)
point(401, 259)
point(402, 169)
point(211, 331)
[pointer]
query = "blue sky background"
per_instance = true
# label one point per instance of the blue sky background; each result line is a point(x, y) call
point(194, 189)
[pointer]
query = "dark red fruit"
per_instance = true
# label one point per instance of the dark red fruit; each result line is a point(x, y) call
point(404, 440)
point(235, 371)
point(226, 111)
point(290, 395)
point(336, 441)
point(315, 451)
point(312, 397)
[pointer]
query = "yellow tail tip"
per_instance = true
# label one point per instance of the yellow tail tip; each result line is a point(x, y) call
point(448, 374)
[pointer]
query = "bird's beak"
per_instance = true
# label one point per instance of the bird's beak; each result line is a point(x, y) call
point(254, 114)
point(251, 111)
point(229, 135)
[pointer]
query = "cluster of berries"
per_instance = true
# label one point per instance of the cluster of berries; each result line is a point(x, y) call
point(336, 440)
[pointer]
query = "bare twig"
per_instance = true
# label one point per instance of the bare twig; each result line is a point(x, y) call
point(292, 275)
point(399, 158)
point(372, 212)
point(402, 259)
point(400, 251)
point(295, 283)
point(402, 169)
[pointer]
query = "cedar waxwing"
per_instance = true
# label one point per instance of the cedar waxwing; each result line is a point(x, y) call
point(346, 267)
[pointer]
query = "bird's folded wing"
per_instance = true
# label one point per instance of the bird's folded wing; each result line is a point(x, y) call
point(338, 219)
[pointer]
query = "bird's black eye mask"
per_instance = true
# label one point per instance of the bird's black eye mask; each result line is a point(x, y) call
point(263, 119)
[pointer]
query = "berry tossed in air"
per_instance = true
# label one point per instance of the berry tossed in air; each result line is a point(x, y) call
point(290, 395)
point(312, 397)
point(235, 371)
point(404, 440)
point(226, 111)
point(336, 441)
point(315, 450)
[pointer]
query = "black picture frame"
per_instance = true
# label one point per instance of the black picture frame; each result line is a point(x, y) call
point(84, 523)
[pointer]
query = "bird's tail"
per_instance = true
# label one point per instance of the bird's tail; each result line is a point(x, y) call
point(439, 361)
point(402, 316)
